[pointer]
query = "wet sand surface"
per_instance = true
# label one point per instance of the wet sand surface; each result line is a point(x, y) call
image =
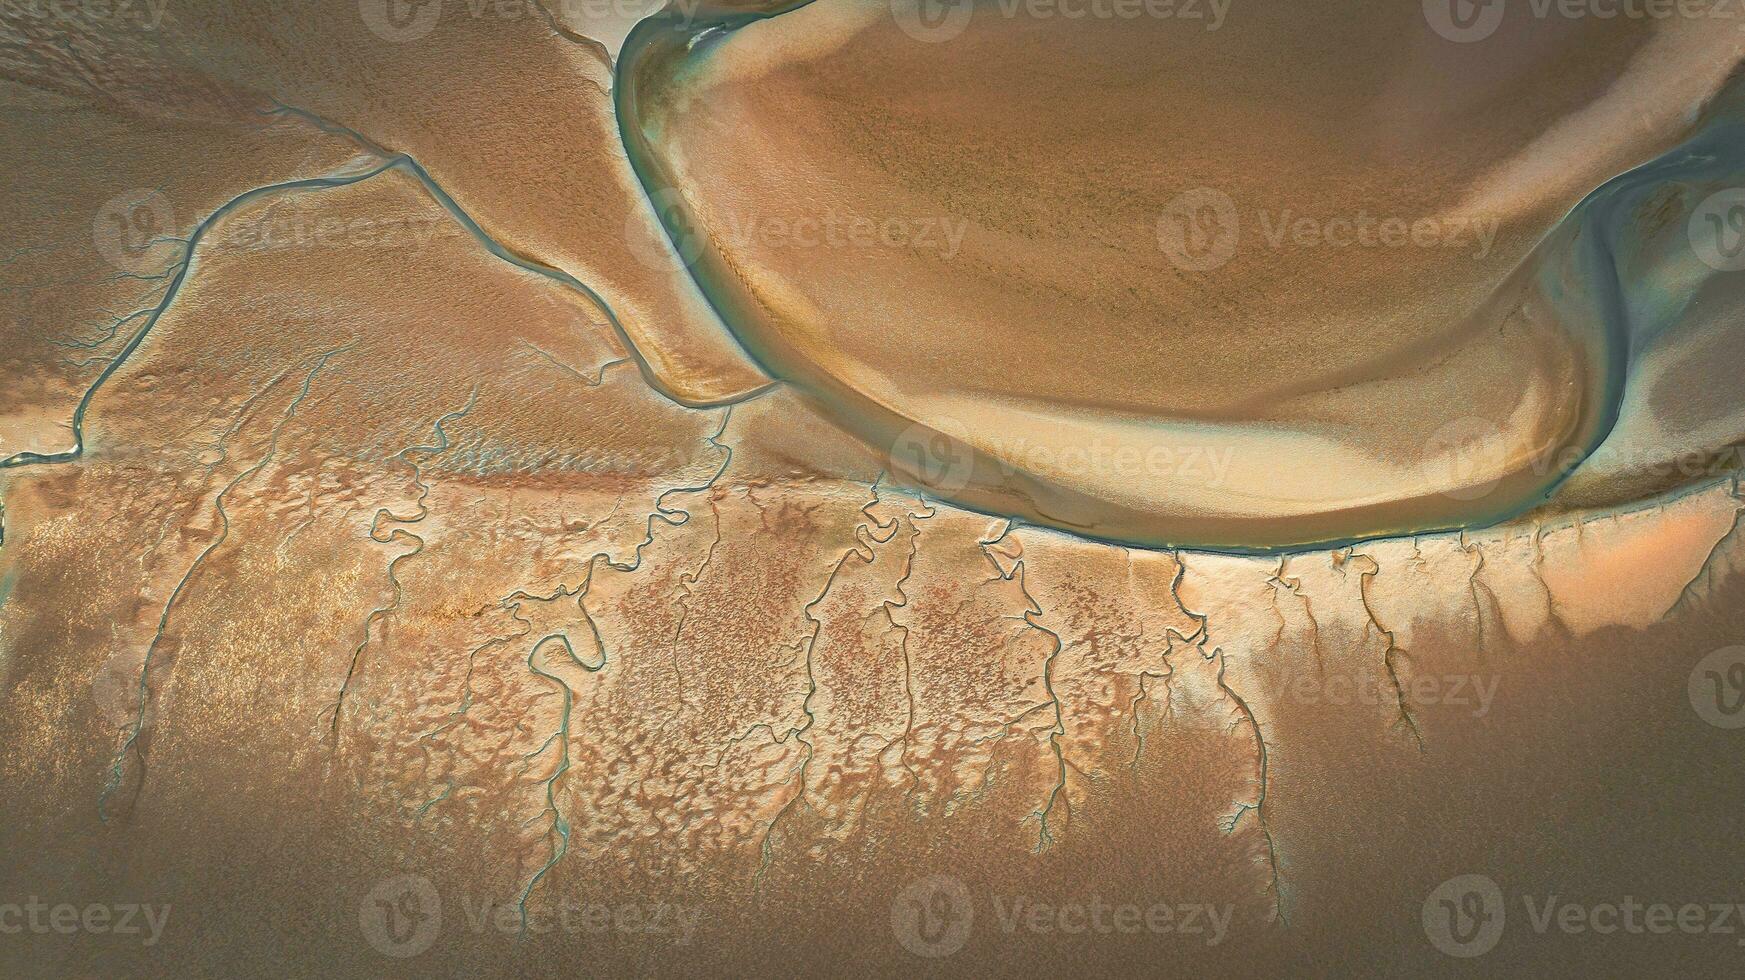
point(412, 566)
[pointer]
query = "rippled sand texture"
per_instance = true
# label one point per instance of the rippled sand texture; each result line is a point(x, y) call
point(1165, 237)
point(385, 507)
